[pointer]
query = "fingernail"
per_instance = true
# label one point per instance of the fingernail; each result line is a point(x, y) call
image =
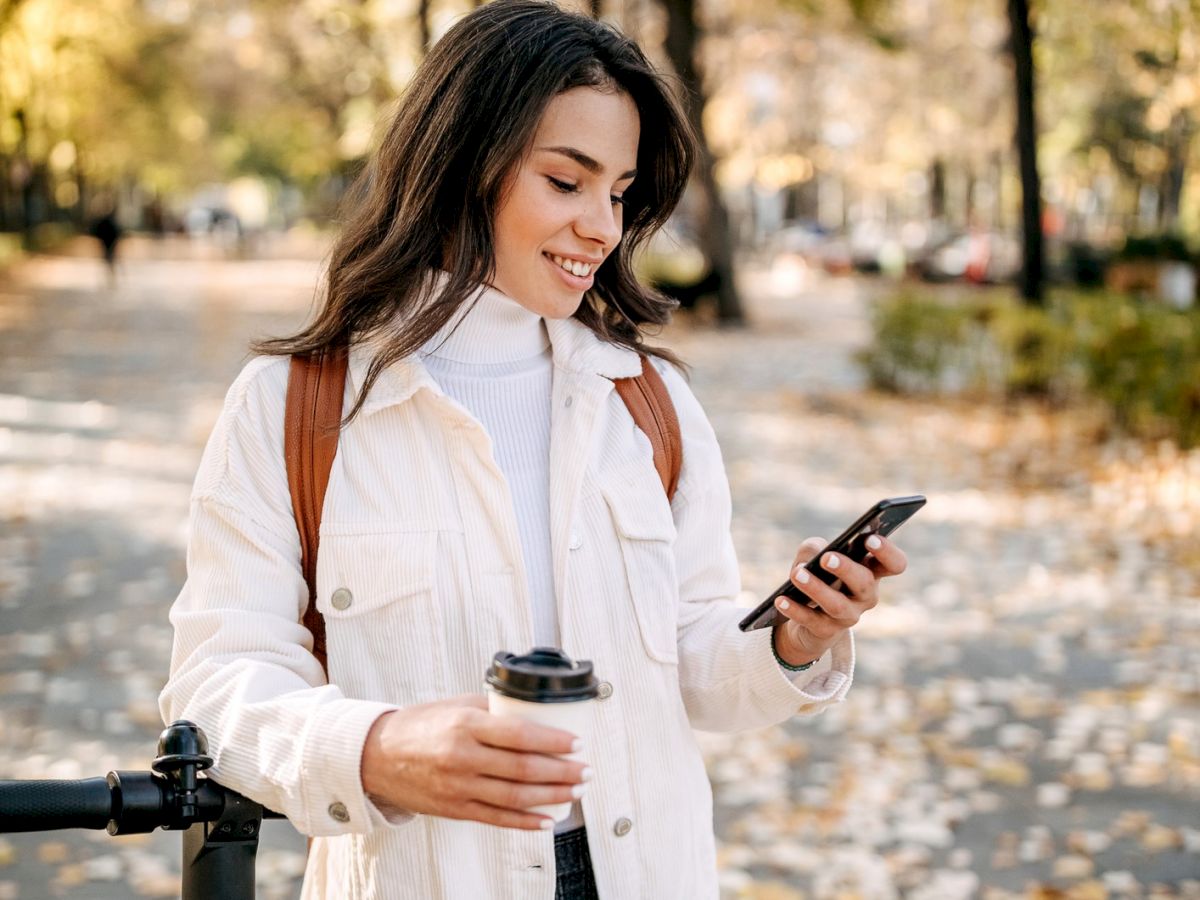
point(801, 575)
point(587, 774)
point(577, 745)
point(577, 791)
point(546, 824)
point(783, 604)
point(832, 562)
point(874, 543)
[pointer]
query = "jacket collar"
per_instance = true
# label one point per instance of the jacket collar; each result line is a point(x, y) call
point(574, 347)
point(577, 349)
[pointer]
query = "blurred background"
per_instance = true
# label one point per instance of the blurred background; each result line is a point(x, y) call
point(935, 246)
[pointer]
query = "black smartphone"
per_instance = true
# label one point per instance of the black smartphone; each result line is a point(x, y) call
point(882, 518)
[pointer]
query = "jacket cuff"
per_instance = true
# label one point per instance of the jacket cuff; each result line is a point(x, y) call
point(331, 770)
point(384, 815)
point(826, 683)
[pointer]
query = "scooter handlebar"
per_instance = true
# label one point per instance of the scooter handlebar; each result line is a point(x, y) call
point(52, 805)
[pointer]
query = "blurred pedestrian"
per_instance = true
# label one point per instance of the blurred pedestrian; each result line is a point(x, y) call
point(107, 230)
point(492, 492)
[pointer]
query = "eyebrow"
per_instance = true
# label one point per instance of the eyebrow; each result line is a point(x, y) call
point(586, 161)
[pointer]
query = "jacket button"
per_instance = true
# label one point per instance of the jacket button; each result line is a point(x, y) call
point(341, 599)
point(568, 402)
point(339, 813)
point(603, 690)
point(622, 826)
point(576, 540)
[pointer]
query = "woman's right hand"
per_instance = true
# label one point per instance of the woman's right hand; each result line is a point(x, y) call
point(453, 758)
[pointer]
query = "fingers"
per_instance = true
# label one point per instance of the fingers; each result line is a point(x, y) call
point(514, 795)
point(477, 811)
point(533, 768)
point(809, 548)
point(815, 622)
point(834, 604)
point(886, 558)
point(859, 582)
point(511, 733)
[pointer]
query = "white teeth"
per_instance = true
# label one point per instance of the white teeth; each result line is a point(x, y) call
point(576, 268)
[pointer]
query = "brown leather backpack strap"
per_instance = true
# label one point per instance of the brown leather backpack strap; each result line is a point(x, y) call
point(312, 421)
point(649, 403)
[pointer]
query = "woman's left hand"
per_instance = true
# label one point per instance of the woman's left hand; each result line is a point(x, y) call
point(807, 633)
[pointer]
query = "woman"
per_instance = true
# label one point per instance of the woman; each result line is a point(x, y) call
point(491, 492)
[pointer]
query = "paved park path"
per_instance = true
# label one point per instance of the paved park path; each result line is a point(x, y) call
point(1026, 715)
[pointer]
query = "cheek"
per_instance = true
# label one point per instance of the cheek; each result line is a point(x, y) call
point(519, 228)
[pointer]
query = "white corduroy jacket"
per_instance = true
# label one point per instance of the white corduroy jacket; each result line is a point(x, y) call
point(419, 541)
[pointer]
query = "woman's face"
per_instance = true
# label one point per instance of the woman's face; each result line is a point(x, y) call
point(561, 213)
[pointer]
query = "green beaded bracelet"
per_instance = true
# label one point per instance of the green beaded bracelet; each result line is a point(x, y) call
point(787, 665)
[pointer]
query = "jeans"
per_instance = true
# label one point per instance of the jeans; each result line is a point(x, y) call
point(574, 864)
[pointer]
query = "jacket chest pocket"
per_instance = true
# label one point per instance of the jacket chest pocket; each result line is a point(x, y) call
point(382, 624)
point(646, 533)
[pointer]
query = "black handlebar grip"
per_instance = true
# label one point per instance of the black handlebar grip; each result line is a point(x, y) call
point(50, 805)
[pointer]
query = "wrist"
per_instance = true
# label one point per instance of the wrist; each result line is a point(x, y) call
point(372, 754)
point(791, 658)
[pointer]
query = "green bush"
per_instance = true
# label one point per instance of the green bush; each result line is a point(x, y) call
point(10, 248)
point(917, 340)
point(1140, 358)
point(1144, 362)
point(1036, 350)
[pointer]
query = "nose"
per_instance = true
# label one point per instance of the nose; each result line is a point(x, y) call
point(600, 221)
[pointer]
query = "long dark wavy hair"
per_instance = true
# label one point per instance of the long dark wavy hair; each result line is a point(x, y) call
point(429, 195)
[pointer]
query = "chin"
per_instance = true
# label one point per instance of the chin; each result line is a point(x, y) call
point(557, 307)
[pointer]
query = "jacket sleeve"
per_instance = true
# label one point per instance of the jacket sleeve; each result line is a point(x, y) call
point(729, 678)
point(241, 664)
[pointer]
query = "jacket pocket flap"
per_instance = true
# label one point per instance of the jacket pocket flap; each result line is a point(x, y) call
point(639, 504)
point(361, 573)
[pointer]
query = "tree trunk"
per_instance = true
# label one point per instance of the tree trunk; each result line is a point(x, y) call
point(1021, 46)
point(683, 34)
point(969, 197)
point(1178, 141)
point(426, 30)
point(937, 189)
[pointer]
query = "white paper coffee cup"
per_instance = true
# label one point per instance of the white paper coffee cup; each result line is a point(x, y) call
point(546, 687)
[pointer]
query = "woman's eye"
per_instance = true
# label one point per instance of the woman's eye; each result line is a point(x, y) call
point(617, 201)
point(563, 186)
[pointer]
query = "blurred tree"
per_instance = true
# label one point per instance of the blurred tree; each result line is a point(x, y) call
point(170, 95)
point(425, 26)
point(84, 88)
point(1021, 45)
point(896, 112)
point(681, 45)
point(1121, 103)
point(900, 106)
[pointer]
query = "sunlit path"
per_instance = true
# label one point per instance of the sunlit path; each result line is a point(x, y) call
point(1027, 708)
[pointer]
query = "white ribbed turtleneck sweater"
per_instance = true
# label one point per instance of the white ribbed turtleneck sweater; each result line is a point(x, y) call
point(494, 359)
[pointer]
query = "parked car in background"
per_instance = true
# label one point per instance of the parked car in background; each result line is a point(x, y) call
point(982, 257)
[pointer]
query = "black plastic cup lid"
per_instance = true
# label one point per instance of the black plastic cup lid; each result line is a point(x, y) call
point(543, 675)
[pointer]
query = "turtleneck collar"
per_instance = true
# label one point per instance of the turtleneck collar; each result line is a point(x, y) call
point(491, 329)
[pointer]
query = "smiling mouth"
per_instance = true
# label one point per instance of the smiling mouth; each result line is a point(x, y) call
point(576, 268)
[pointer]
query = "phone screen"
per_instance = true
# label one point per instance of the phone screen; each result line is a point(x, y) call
point(883, 518)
